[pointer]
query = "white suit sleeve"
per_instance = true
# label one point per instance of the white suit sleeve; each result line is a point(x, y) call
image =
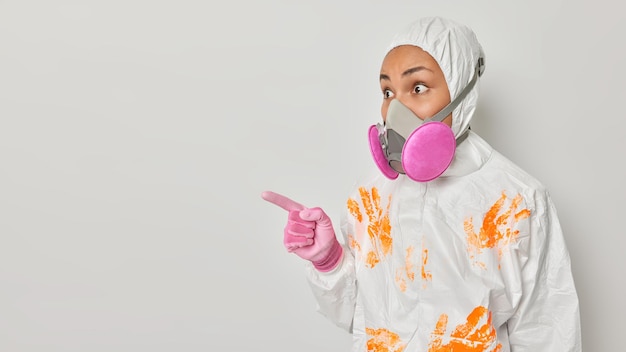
point(336, 291)
point(547, 318)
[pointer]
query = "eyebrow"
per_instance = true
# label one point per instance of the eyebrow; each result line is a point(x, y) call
point(409, 71)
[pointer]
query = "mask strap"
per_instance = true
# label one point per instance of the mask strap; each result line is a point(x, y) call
point(462, 137)
point(438, 117)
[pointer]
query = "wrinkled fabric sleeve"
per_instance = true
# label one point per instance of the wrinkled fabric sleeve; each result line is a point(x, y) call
point(336, 291)
point(547, 318)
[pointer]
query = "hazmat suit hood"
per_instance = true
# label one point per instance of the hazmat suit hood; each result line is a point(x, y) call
point(457, 51)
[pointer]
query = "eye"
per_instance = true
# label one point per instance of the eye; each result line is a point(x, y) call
point(420, 88)
point(387, 93)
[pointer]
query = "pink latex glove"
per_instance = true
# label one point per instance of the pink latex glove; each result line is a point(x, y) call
point(309, 233)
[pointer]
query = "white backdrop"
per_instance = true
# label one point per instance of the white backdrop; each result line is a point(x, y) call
point(137, 136)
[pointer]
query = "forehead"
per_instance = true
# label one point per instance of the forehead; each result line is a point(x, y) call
point(406, 56)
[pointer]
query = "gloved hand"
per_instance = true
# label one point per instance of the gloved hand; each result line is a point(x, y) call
point(309, 233)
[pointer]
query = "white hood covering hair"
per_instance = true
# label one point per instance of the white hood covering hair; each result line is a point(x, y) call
point(456, 50)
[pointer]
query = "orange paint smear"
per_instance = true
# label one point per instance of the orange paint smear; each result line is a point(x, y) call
point(496, 230)
point(353, 243)
point(353, 208)
point(522, 215)
point(409, 264)
point(471, 336)
point(406, 272)
point(371, 259)
point(383, 340)
point(379, 225)
point(426, 274)
point(400, 280)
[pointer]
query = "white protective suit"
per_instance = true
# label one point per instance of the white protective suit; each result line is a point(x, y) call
point(474, 260)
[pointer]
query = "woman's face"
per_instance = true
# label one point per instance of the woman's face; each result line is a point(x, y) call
point(412, 76)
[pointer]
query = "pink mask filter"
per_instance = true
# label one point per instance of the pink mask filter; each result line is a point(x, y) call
point(420, 148)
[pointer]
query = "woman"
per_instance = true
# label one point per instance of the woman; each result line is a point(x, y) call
point(453, 247)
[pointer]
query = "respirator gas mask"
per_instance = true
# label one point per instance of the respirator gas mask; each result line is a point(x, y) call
point(420, 148)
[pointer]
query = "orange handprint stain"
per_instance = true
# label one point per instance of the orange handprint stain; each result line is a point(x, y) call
point(383, 340)
point(408, 271)
point(402, 274)
point(496, 230)
point(378, 228)
point(467, 337)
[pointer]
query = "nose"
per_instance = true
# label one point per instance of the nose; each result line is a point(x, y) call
point(388, 103)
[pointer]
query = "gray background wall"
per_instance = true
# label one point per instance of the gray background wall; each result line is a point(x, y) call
point(136, 138)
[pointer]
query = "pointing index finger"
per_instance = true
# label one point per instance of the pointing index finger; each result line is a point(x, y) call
point(282, 201)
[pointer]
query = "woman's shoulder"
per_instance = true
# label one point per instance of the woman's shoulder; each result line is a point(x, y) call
point(505, 168)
